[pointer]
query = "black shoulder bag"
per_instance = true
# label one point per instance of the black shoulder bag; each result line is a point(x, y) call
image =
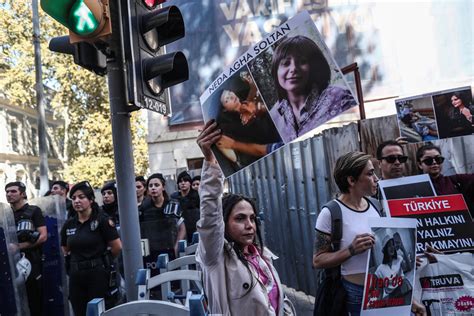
point(330, 294)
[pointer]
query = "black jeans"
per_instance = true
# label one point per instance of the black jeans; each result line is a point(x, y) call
point(85, 285)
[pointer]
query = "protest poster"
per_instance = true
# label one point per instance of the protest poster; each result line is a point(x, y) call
point(436, 115)
point(288, 77)
point(390, 272)
point(407, 187)
point(444, 222)
point(446, 283)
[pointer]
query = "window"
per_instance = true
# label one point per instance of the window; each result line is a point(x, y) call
point(34, 141)
point(14, 136)
point(195, 163)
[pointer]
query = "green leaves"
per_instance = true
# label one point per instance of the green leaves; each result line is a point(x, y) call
point(75, 95)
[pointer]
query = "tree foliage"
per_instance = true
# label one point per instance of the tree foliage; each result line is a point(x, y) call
point(75, 94)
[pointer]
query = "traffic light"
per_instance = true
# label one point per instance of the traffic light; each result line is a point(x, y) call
point(87, 20)
point(150, 71)
point(85, 54)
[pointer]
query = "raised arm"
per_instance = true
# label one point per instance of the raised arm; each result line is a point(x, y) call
point(211, 223)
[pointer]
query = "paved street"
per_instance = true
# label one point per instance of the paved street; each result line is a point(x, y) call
point(303, 303)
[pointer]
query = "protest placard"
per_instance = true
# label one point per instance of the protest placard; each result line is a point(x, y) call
point(435, 115)
point(446, 283)
point(444, 222)
point(390, 272)
point(280, 89)
point(407, 187)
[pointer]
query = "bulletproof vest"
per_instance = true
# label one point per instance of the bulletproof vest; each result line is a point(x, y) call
point(191, 216)
point(189, 205)
point(160, 229)
point(25, 225)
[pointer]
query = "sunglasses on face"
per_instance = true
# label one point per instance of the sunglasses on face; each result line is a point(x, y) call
point(430, 160)
point(393, 158)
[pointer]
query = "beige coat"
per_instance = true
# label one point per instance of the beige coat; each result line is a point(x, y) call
point(226, 279)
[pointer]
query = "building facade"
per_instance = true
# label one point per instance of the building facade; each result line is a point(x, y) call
point(19, 149)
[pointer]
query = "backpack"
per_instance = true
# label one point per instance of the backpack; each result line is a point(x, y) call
point(330, 294)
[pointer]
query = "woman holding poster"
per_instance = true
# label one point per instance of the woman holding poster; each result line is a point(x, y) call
point(238, 275)
point(355, 177)
point(395, 263)
point(305, 99)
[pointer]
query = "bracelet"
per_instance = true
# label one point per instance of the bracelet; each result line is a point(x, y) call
point(352, 250)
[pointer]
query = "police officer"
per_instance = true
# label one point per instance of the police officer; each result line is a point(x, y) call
point(110, 200)
point(189, 203)
point(90, 242)
point(31, 233)
point(61, 188)
point(160, 222)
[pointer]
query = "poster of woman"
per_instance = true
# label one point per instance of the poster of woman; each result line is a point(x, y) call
point(282, 88)
point(390, 271)
point(248, 133)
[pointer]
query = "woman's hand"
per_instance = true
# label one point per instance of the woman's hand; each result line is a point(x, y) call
point(417, 308)
point(226, 142)
point(362, 242)
point(208, 136)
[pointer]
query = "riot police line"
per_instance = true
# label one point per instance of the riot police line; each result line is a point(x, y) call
point(15, 268)
point(54, 266)
point(48, 268)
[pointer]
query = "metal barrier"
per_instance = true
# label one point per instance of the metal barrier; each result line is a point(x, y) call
point(145, 283)
point(181, 263)
point(96, 307)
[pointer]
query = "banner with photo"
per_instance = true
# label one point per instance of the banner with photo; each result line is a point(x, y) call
point(280, 89)
point(390, 273)
point(446, 284)
point(444, 222)
point(436, 115)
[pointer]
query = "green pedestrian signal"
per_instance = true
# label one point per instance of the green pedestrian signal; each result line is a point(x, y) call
point(87, 20)
point(82, 20)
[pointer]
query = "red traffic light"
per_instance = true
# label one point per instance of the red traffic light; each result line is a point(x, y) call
point(150, 4)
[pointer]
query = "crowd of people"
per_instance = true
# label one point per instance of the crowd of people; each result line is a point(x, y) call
point(90, 236)
point(238, 272)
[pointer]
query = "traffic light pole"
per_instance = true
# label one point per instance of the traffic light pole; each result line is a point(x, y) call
point(43, 148)
point(124, 166)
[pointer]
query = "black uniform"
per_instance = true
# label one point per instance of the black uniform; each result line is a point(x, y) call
point(89, 271)
point(189, 206)
point(160, 229)
point(112, 211)
point(29, 218)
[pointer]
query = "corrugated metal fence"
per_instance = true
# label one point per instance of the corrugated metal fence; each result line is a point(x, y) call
point(292, 184)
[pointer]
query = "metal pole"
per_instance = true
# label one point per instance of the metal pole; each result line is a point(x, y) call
point(124, 167)
point(43, 148)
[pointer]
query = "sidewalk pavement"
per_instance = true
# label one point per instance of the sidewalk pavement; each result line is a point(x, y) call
point(303, 303)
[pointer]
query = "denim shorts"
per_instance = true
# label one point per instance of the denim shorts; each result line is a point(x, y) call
point(354, 297)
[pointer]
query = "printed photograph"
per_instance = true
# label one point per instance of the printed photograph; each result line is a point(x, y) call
point(454, 110)
point(407, 187)
point(406, 191)
point(416, 119)
point(301, 83)
point(248, 132)
point(391, 270)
